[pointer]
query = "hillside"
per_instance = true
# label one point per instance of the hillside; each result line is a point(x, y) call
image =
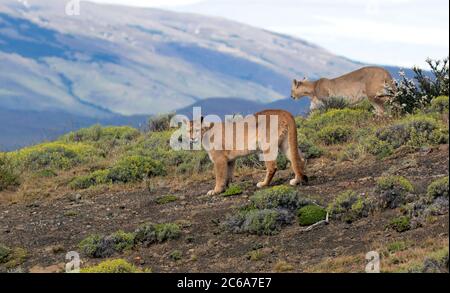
point(125, 196)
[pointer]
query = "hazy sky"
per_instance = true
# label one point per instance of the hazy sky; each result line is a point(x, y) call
point(392, 32)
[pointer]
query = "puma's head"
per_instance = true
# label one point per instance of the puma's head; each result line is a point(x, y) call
point(301, 89)
point(195, 133)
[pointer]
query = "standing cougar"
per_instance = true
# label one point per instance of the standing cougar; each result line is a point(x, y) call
point(368, 82)
point(252, 138)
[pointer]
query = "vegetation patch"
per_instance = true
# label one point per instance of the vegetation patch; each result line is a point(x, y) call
point(335, 134)
point(176, 255)
point(310, 215)
point(438, 189)
point(99, 246)
point(349, 206)
point(56, 155)
point(233, 190)
point(282, 267)
point(112, 266)
point(259, 221)
point(278, 197)
point(103, 135)
point(439, 105)
point(156, 233)
point(12, 257)
point(8, 175)
point(393, 191)
point(308, 148)
point(400, 224)
point(135, 168)
point(93, 179)
point(166, 199)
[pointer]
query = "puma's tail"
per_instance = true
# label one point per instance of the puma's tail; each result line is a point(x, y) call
point(298, 163)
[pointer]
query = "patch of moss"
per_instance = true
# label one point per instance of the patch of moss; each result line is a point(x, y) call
point(310, 215)
point(393, 191)
point(438, 188)
point(156, 233)
point(400, 224)
point(112, 266)
point(233, 190)
point(166, 199)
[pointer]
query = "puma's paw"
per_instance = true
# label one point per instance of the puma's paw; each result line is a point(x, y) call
point(211, 193)
point(261, 185)
point(294, 182)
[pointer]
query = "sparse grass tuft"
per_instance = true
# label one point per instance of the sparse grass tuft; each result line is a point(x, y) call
point(112, 266)
point(166, 199)
point(400, 224)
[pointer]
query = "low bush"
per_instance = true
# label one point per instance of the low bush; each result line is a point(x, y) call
point(310, 215)
point(416, 131)
point(100, 246)
point(97, 133)
point(393, 191)
point(275, 198)
point(156, 233)
point(438, 188)
point(112, 266)
point(135, 168)
point(160, 123)
point(12, 257)
point(350, 206)
point(56, 155)
point(343, 117)
point(93, 179)
point(400, 224)
point(308, 148)
point(8, 175)
point(259, 221)
point(334, 134)
point(333, 103)
point(439, 105)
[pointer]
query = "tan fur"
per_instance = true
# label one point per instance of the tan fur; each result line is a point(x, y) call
point(224, 160)
point(367, 82)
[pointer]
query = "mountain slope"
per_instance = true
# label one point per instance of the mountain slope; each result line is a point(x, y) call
point(143, 61)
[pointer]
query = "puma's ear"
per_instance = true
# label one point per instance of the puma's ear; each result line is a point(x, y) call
point(305, 78)
point(201, 119)
point(295, 82)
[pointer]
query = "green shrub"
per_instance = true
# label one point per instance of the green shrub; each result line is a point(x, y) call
point(275, 197)
point(93, 179)
point(12, 257)
point(308, 148)
point(166, 199)
point(233, 190)
point(377, 147)
point(112, 266)
point(258, 222)
point(47, 173)
point(5, 252)
point(99, 246)
point(176, 255)
point(397, 246)
point(135, 168)
point(160, 123)
point(393, 191)
point(439, 105)
point(416, 131)
point(98, 133)
point(400, 224)
point(56, 155)
point(344, 117)
point(334, 134)
point(333, 103)
point(438, 188)
point(310, 215)
point(156, 233)
point(349, 207)
point(8, 174)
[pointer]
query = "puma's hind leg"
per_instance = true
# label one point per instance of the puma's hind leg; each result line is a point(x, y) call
point(231, 166)
point(297, 164)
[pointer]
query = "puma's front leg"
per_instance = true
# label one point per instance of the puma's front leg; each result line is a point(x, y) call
point(221, 171)
point(270, 172)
